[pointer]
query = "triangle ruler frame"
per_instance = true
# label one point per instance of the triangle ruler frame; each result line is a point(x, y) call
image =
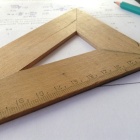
point(24, 91)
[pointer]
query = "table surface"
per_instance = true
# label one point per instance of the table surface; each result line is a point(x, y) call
point(104, 113)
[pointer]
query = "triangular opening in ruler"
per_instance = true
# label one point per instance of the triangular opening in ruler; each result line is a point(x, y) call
point(74, 46)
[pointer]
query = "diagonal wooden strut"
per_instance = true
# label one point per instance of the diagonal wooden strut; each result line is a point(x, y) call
point(102, 36)
point(28, 90)
point(32, 47)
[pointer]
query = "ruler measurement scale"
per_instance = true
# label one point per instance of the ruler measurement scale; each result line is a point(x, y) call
point(42, 97)
point(26, 91)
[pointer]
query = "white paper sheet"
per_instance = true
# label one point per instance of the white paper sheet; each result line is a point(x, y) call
point(104, 113)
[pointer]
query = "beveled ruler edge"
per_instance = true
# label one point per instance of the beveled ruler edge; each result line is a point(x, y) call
point(134, 63)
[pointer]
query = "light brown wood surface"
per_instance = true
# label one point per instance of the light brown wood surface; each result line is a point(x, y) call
point(22, 92)
point(32, 47)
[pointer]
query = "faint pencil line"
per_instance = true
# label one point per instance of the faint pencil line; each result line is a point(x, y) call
point(122, 84)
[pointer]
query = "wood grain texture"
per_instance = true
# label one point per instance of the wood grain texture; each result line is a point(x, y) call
point(33, 46)
point(101, 36)
point(60, 80)
point(28, 90)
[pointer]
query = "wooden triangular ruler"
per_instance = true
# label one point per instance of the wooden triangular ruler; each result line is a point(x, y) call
point(28, 90)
